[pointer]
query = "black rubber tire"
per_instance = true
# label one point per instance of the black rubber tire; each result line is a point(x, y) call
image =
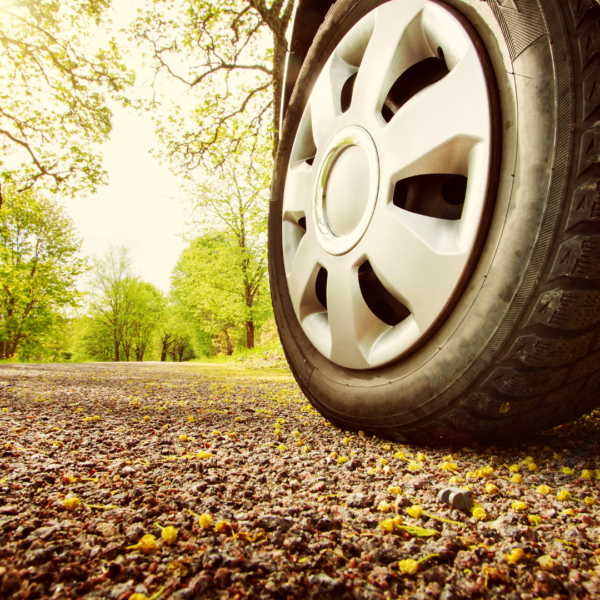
point(521, 349)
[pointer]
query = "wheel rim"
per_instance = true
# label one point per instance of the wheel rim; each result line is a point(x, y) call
point(386, 184)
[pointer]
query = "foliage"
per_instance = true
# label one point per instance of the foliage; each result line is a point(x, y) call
point(208, 281)
point(90, 341)
point(38, 268)
point(123, 309)
point(54, 91)
point(221, 278)
point(174, 333)
point(52, 345)
point(146, 314)
point(237, 51)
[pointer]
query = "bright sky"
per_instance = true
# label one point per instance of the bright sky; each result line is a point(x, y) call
point(140, 207)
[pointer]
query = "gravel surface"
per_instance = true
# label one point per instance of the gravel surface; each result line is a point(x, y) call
point(249, 493)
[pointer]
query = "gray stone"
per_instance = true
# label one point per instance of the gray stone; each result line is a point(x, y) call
point(120, 588)
point(357, 500)
point(456, 498)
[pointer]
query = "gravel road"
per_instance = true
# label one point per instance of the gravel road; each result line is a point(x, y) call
point(127, 481)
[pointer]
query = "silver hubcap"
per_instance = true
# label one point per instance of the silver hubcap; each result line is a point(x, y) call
point(386, 183)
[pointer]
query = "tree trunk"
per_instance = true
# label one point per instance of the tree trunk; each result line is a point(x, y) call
point(229, 346)
point(163, 353)
point(249, 334)
point(180, 351)
point(279, 27)
point(117, 359)
point(279, 55)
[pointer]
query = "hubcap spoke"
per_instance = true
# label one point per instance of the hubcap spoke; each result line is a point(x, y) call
point(435, 130)
point(417, 260)
point(353, 326)
point(298, 189)
point(383, 61)
point(302, 276)
point(325, 105)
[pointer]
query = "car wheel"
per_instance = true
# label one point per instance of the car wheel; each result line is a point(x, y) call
point(433, 229)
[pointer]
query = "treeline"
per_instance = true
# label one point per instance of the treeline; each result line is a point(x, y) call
point(219, 300)
point(126, 318)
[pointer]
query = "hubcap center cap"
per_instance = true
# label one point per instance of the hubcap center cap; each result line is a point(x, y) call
point(346, 190)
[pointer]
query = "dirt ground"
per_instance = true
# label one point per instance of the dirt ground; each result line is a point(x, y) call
point(127, 481)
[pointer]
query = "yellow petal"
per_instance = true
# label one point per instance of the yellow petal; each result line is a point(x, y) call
point(169, 534)
point(448, 466)
point(223, 527)
point(546, 562)
point(205, 520)
point(71, 503)
point(408, 566)
point(148, 544)
point(479, 514)
point(516, 554)
point(387, 525)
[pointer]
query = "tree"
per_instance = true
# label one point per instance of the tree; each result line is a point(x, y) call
point(146, 312)
point(91, 340)
point(54, 92)
point(174, 332)
point(113, 294)
point(38, 267)
point(232, 260)
point(209, 280)
point(180, 345)
point(238, 51)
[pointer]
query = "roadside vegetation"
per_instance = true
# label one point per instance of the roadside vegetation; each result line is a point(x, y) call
point(64, 67)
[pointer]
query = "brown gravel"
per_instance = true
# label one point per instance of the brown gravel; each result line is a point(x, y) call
point(301, 522)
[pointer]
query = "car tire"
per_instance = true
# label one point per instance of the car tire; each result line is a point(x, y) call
point(501, 335)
